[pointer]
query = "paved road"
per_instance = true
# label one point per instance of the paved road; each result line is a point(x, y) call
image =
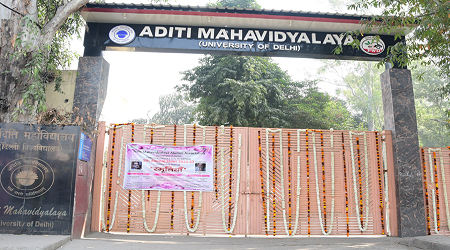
point(163, 242)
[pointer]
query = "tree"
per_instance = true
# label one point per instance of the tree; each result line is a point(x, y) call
point(34, 47)
point(429, 41)
point(236, 3)
point(254, 92)
point(174, 109)
point(430, 107)
point(361, 89)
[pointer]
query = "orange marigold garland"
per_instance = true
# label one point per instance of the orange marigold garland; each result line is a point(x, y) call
point(129, 191)
point(111, 177)
point(426, 192)
point(437, 191)
point(360, 181)
point(173, 193)
point(289, 182)
point(380, 184)
point(345, 184)
point(192, 193)
point(262, 183)
point(273, 186)
point(323, 183)
point(216, 148)
point(307, 184)
point(231, 178)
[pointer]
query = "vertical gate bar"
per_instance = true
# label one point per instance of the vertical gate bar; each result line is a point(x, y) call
point(393, 191)
point(97, 185)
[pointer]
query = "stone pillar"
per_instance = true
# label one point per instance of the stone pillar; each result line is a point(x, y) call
point(400, 118)
point(90, 90)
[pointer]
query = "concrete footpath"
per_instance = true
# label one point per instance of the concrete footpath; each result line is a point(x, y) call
point(198, 242)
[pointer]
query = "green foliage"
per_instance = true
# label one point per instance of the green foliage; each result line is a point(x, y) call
point(430, 107)
point(43, 63)
point(361, 89)
point(429, 41)
point(255, 92)
point(236, 3)
point(174, 109)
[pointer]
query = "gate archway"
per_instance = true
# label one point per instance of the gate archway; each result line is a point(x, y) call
point(272, 33)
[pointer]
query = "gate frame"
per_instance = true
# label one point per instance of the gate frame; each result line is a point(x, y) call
point(399, 115)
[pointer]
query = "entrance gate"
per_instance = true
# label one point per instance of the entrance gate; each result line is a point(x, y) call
point(274, 182)
point(236, 31)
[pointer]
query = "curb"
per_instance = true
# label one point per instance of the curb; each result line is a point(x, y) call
point(57, 244)
point(50, 246)
point(425, 244)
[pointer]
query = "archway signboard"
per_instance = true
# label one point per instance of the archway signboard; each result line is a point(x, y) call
point(255, 32)
point(216, 31)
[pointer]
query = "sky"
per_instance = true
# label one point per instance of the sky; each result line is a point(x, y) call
point(137, 79)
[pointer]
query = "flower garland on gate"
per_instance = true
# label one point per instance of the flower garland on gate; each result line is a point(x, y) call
point(380, 181)
point(102, 195)
point(386, 188)
point(317, 186)
point(366, 162)
point(193, 229)
point(108, 225)
point(231, 229)
point(425, 185)
point(268, 176)
point(158, 202)
point(434, 150)
point(283, 202)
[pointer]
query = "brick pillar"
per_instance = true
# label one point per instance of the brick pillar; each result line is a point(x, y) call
point(90, 90)
point(400, 118)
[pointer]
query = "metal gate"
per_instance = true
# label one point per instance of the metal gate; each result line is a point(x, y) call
point(266, 182)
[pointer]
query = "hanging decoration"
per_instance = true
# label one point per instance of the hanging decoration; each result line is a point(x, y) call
point(345, 185)
point(193, 227)
point(307, 184)
point(102, 195)
point(173, 192)
point(262, 183)
point(386, 190)
point(109, 224)
point(444, 186)
point(273, 187)
point(426, 192)
point(380, 184)
point(359, 212)
point(216, 148)
point(129, 191)
point(289, 184)
point(158, 202)
point(231, 178)
point(231, 227)
point(322, 224)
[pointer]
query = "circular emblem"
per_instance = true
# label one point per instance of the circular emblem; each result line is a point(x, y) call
point(372, 45)
point(122, 34)
point(27, 178)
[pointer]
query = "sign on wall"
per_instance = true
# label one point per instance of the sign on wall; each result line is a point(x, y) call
point(240, 41)
point(156, 167)
point(37, 178)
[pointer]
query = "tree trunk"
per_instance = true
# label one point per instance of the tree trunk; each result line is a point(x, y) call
point(11, 85)
point(12, 82)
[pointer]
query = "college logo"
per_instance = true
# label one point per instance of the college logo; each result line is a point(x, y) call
point(372, 45)
point(27, 178)
point(122, 34)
